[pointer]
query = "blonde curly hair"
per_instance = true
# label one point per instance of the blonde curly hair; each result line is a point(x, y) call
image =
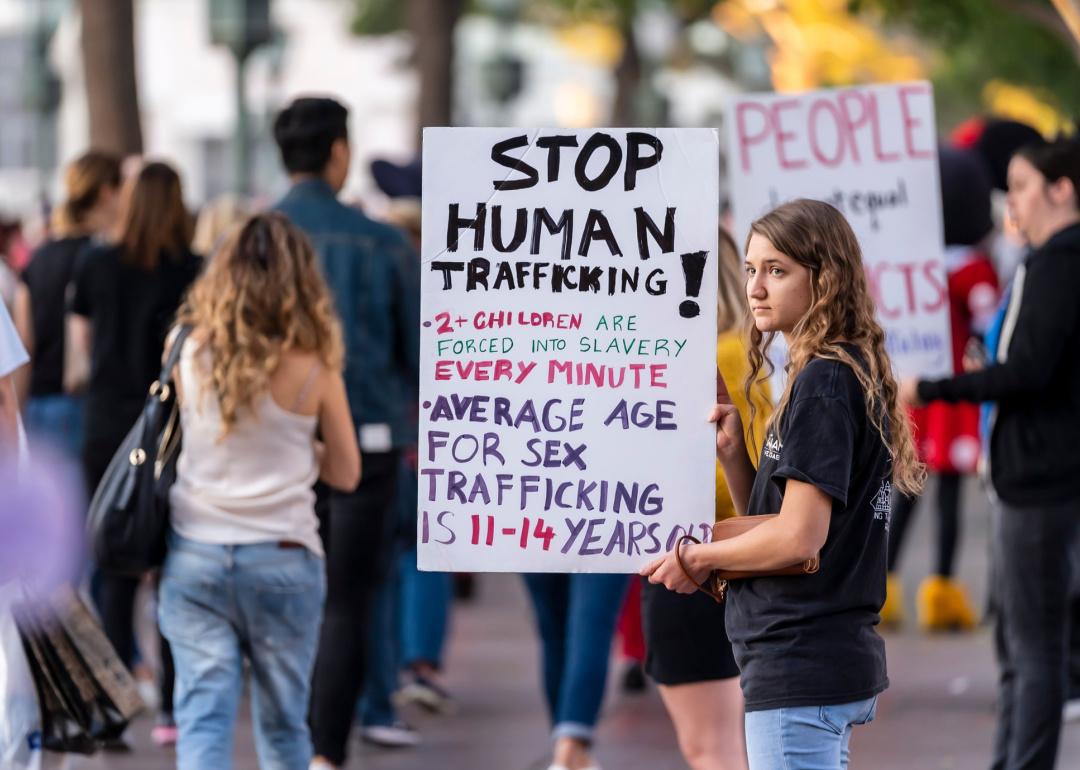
point(817, 236)
point(260, 297)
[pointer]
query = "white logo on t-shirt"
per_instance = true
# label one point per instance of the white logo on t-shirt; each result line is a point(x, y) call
point(882, 502)
point(773, 445)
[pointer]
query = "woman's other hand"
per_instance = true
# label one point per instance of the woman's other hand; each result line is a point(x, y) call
point(729, 430)
point(666, 571)
point(909, 392)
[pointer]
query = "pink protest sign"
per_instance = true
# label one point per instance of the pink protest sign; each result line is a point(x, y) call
point(871, 152)
point(568, 347)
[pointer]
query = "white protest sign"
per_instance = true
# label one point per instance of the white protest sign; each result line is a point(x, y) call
point(568, 347)
point(871, 152)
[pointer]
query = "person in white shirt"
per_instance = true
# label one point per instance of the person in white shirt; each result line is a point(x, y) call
point(258, 379)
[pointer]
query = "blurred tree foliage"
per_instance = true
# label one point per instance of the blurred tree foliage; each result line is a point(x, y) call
point(1020, 42)
point(431, 23)
point(380, 17)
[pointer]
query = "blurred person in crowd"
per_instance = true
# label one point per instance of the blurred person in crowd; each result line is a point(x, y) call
point(575, 617)
point(689, 654)
point(244, 580)
point(404, 213)
point(380, 722)
point(13, 356)
point(811, 664)
point(1032, 461)
point(216, 220)
point(124, 297)
point(88, 212)
point(632, 640)
point(373, 272)
point(408, 604)
point(424, 597)
point(425, 602)
point(995, 141)
point(947, 435)
point(12, 247)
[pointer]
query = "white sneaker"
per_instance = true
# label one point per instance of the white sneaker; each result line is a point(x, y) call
point(396, 736)
point(150, 693)
point(320, 764)
point(1071, 712)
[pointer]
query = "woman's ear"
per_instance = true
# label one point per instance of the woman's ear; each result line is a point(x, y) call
point(1063, 192)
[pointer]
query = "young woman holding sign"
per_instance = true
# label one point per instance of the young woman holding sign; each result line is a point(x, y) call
point(688, 652)
point(812, 665)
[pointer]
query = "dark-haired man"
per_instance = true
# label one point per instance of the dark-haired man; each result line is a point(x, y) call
point(373, 273)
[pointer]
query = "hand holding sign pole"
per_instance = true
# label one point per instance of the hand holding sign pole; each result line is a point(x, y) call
point(568, 347)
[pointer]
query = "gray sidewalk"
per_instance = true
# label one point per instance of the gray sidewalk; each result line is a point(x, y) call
point(938, 714)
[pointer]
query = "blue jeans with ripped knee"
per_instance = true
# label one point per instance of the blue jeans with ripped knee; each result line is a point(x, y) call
point(805, 737)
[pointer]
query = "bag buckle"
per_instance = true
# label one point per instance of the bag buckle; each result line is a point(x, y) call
point(161, 391)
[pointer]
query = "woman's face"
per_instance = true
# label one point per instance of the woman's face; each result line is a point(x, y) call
point(777, 287)
point(1026, 198)
point(1035, 206)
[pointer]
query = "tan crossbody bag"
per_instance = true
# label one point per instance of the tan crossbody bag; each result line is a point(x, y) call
point(715, 584)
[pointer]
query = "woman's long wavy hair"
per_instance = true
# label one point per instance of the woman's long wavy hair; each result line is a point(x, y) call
point(261, 296)
point(817, 236)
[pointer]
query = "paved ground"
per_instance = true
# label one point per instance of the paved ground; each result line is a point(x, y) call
point(938, 715)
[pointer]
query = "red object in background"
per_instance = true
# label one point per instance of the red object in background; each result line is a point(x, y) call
point(948, 434)
point(631, 637)
point(966, 135)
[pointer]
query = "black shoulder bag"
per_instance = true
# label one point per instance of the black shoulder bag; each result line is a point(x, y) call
point(129, 514)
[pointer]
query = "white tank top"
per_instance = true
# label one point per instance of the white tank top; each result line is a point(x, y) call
point(253, 485)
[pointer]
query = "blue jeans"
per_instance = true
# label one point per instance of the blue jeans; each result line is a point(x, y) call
point(220, 604)
point(425, 611)
point(804, 737)
point(55, 421)
point(576, 615)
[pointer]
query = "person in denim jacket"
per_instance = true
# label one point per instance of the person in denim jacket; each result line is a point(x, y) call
point(373, 274)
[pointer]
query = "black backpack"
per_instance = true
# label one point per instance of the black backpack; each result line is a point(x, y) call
point(129, 515)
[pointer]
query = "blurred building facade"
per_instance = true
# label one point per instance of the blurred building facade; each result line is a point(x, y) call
point(506, 73)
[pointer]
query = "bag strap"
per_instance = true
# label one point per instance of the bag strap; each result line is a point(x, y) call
point(182, 333)
point(703, 587)
point(160, 391)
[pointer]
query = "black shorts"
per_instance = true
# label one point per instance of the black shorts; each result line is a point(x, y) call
point(685, 638)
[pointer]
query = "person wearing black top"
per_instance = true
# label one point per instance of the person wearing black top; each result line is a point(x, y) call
point(812, 664)
point(124, 300)
point(1034, 384)
point(53, 412)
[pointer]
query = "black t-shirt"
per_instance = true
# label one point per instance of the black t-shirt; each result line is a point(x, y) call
point(47, 278)
point(810, 640)
point(131, 310)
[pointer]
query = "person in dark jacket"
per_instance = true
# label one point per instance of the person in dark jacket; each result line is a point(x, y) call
point(1033, 461)
point(373, 274)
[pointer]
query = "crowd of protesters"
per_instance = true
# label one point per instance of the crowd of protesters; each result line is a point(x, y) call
point(292, 553)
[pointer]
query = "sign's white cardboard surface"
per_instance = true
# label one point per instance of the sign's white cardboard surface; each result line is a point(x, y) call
point(568, 346)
